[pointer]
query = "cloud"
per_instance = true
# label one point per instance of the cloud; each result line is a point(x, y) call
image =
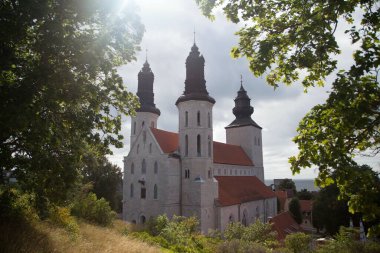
point(169, 37)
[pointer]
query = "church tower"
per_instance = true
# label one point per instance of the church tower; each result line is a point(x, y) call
point(147, 114)
point(199, 188)
point(245, 132)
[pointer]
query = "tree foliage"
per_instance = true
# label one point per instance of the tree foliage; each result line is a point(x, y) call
point(304, 194)
point(106, 179)
point(257, 232)
point(59, 89)
point(329, 213)
point(295, 210)
point(287, 184)
point(293, 41)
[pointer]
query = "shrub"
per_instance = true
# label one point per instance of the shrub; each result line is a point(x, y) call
point(298, 243)
point(239, 246)
point(257, 232)
point(346, 242)
point(15, 204)
point(94, 210)
point(62, 217)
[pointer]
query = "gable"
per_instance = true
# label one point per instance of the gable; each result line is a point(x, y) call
point(168, 141)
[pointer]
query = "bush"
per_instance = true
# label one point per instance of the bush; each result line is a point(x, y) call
point(239, 246)
point(17, 205)
point(94, 210)
point(298, 243)
point(346, 242)
point(61, 216)
point(257, 232)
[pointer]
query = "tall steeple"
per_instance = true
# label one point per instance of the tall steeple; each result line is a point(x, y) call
point(243, 109)
point(145, 90)
point(195, 83)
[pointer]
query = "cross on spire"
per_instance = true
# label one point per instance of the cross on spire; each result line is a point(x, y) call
point(241, 80)
point(146, 54)
point(194, 35)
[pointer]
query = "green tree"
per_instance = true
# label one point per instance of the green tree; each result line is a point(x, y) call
point(287, 184)
point(105, 178)
point(328, 212)
point(295, 210)
point(304, 194)
point(59, 89)
point(286, 38)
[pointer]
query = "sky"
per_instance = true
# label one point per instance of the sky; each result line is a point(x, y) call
point(169, 34)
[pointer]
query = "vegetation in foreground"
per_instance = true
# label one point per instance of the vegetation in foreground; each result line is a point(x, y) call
point(89, 225)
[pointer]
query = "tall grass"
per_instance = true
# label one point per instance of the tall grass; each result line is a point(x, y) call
point(46, 237)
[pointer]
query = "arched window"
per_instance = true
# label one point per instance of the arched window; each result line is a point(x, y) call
point(208, 120)
point(150, 148)
point(134, 127)
point(199, 145)
point(244, 220)
point(143, 123)
point(209, 173)
point(143, 192)
point(155, 167)
point(152, 124)
point(138, 149)
point(186, 145)
point(186, 119)
point(143, 167)
point(155, 192)
point(231, 218)
point(132, 168)
point(131, 191)
point(199, 118)
point(255, 141)
point(209, 146)
point(142, 219)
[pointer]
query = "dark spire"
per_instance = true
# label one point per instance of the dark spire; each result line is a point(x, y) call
point(243, 109)
point(195, 83)
point(145, 89)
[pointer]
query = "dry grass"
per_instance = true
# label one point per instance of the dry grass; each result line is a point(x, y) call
point(44, 237)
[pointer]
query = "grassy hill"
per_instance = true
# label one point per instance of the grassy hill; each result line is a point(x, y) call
point(46, 237)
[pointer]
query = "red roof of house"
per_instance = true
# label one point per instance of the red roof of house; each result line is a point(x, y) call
point(230, 154)
point(282, 196)
point(168, 141)
point(284, 224)
point(239, 189)
point(223, 153)
point(306, 205)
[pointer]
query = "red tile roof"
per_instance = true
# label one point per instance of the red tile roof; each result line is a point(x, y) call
point(230, 154)
point(282, 196)
point(306, 205)
point(223, 153)
point(168, 141)
point(284, 224)
point(240, 189)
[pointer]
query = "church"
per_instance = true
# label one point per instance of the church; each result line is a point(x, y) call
point(187, 173)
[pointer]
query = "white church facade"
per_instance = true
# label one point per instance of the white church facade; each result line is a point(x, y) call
point(187, 173)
